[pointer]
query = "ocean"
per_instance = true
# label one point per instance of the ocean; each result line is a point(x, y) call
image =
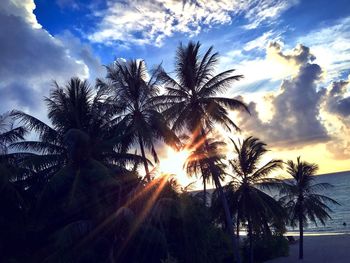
point(341, 214)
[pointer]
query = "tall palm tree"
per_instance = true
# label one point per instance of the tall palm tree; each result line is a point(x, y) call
point(191, 101)
point(71, 108)
point(302, 200)
point(249, 202)
point(134, 92)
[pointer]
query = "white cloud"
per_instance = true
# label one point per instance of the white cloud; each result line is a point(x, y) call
point(21, 8)
point(150, 22)
point(331, 46)
point(272, 67)
point(260, 42)
point(31, 59)
point(295, 119)
point(261, 11)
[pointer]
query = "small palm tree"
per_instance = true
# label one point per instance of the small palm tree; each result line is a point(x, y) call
point(302, 200)
point(249, 202)
point(141, 121)
point(191, 102)
point(8, 133)
point(197, 163)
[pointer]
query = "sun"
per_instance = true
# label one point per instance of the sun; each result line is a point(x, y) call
point(173, 164)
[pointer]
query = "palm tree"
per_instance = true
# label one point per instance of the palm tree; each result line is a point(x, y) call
point(302, 200)
point(75, 113)
point(197, 162)
point(8, 133)
point(249, 202)
point(13, 206)
point(134, 93)
point(191, 102)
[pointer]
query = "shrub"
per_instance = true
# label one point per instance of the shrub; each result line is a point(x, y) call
point(266, 248)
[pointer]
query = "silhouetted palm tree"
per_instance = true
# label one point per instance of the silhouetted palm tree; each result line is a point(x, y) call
point(74, 107)
point(191, 101)
point(249, 202)
point(134, 92)
point(8, 133)
point(197, 163)
point(12, 204)
point(302, 200)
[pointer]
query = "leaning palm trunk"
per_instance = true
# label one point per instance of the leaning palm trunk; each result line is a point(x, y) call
point(228, 218)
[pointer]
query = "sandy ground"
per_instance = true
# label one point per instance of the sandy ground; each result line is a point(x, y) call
point(320, 249)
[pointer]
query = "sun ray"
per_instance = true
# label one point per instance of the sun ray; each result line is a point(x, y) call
point(174, 163)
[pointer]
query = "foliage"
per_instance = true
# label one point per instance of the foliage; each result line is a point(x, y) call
point(267, 248)
point(301, 198)
point(74, 192)
point(133, 95)
point(248, 201)
point(300, 195)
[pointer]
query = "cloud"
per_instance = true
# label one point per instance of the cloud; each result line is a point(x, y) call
point(31, 59)
point(336, 109)
point(72, 4)
point(266, 71)
point(150, 22)
point(260, 11)
point(295, 120)
point(83, 53)
point(260, 42)
point(21, 8)
point(336, 101)
point(331, 46)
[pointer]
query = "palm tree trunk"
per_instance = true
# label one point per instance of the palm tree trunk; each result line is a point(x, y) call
point(204, 191)
point(204, 187)
point(148, 176)
point(237, 227)
point(228, 217)
point(250, 236)
point(301, 236)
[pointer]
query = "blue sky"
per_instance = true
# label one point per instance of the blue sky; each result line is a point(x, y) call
point(295, 56)
point(80, 18)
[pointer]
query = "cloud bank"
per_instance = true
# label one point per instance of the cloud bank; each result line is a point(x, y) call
point(150, 22)
point(295, 117)
point(31, 58)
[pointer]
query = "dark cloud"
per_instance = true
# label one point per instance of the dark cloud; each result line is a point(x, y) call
point(18, 95)
point(300, 55)
point(336, 101)
point(296, 105)
point(31, 59)
point(32, 52)
point(339, 147)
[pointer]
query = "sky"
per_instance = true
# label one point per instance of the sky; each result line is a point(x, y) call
point(294, 55)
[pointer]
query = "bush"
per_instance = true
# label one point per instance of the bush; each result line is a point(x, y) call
point(266, 248)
